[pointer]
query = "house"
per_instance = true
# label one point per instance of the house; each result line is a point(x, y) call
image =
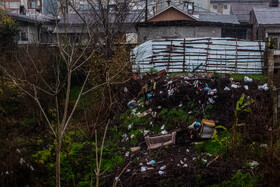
point(78, 25)
point(266, 24)
point(42, 6)
point(224, 6)
point(195, 22)
point(33, 27)
point(163, 4)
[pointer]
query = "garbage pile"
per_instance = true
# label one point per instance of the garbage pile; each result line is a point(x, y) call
point(201, 96)
point(171, 114)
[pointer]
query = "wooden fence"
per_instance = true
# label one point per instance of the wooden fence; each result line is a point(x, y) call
point(222, 55)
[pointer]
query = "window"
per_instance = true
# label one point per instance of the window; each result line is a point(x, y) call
point(225, 7)
point(199, 5)
point(33, 4)
point(14, 5)
point(215, 7)
point(23, 36)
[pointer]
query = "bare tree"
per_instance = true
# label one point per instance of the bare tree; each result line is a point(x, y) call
point(72, 53)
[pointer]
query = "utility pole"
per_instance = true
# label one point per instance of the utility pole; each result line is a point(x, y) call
point(146, 12)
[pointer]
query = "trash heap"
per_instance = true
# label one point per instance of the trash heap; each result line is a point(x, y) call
point(177, 111)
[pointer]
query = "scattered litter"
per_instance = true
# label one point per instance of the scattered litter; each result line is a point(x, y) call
point(164, 132)
point(170, 92)
point(132, 136)
point(145, 132)
point(247, 79)
point(246, 87)
point(253, 164)
point(162, 127)
point(117, 179)
point(127, 154)
point(178, 165)
point(263, 145)
point(144, 113)
point(125, 89)
point(181, 162)
point(185, 165)
point(235, 86)
point(209, 154)
point(17, 150)
point(134, 149)
point(21, 161)
point(180, 105)
point(129, 126)
point(161, 172)
point(128, 170)
point(263, 87)
point(204, 160)
point(152, 162)
point(140, 164)
point(163, 167)
point(226, 89)
point(149, 96)
point(132, 103)
point(211, 100)
point(212, 92)
point(187, 150)
point(143, 169)
point(124, 138)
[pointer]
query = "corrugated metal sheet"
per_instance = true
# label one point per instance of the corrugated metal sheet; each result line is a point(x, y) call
point(199, 55)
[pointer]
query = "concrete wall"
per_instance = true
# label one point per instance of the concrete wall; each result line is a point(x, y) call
point(149, 33)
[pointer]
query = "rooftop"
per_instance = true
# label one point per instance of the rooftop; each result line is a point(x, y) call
point(242, 10)
point(267, 16)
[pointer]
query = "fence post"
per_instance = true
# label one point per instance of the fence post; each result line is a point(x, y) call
point(184, 56)
point(235, 55)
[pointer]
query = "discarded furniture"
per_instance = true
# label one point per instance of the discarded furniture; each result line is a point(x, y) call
point(154, 142)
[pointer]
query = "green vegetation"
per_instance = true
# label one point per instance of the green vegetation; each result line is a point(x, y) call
point(238, 180)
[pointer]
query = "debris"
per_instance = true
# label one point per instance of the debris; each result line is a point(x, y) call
point(154, 142)
point(152, 162)
point(247, 79)
point(204, 160)
point(132, 136)
point(263, 145)
point(264, 87)
point(127, 154)
point(164, 132)
point(185, 165)
point(226, 88)
point(162, 127)
point(125, 89)
point(246, 87)
point(207, 129)
point(149, 95)
point(144, 113)
point(143, 169)
point(161, 172)
point(124, 138)
point(163, 167)
point(145, 132)
point(181, 162)
point(132, 103)
point(129, 126)
point(253, 164)
point(134, 149)
point(187, 150)
point(117, 179)
point(235, 86)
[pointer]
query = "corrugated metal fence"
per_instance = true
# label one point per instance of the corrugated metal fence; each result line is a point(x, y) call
point(222, 55)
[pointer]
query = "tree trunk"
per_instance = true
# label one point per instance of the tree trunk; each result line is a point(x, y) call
point(58, 147)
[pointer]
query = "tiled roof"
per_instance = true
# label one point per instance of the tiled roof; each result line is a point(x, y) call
point(242, 10)
point(267, 16)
